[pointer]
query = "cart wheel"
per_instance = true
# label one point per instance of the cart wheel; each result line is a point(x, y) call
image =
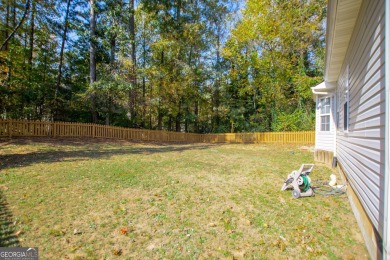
point(296, 194)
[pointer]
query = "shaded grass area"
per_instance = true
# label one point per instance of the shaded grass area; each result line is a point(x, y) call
point(98, 199)
point(8, 233)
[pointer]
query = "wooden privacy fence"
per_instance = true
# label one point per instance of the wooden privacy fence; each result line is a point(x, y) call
point(10, 128)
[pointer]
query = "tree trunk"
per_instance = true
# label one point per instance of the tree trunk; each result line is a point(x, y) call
point(196, 112)
point(178, 119)
point(170, 123)
point(9, 60)
point(59, 73)
point(64, 35)
point(112, 68)
point(6, 60)
point(92, 56)
point(13, 14)
point(216, 101)
point(159, 112)
point(159, 119)
point(109, 107)
point(186, 120)
point(44, 79)
point(133, 76)
point(143, 101)
point(144, 81)
point(178, 10)
point(6, 33)
point(27, 8)
point(150, 107)
point(30, 60)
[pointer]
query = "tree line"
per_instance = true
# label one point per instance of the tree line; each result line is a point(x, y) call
point(180, 65)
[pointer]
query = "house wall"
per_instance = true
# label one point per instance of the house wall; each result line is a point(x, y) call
point(371, 236)
point(360, 149)
point(325, 140)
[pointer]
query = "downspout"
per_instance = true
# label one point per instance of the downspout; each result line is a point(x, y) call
point(386, 200)
point(316, 124)
point(334, 120)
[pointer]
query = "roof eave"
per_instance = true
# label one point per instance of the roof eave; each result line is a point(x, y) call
point(342, 16)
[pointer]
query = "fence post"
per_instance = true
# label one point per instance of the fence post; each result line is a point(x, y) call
point(54, 130)
point(93, 131)
point(9, 129)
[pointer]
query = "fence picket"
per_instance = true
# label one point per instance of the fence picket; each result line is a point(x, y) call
point(9, 128)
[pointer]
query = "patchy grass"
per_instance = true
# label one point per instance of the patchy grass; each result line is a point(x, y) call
point(98, 199)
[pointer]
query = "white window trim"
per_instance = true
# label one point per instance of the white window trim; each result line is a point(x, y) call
point(325, 114)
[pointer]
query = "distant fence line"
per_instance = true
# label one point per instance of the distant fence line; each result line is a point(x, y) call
point(10, 128)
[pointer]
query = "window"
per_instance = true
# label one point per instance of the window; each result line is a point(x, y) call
point(325, 123)
point(325, 113)
point(346, 116)
point(346, 102)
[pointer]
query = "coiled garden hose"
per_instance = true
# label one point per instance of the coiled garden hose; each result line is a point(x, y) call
point(305, 186)
point(324, 189)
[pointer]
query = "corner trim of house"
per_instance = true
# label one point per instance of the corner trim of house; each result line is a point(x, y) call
point(386, 231)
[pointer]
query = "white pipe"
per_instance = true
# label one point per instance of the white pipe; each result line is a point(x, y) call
point(386, 225)
point(334, 121)
point(316, 124)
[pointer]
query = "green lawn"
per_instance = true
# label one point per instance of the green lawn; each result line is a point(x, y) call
point(104, 200)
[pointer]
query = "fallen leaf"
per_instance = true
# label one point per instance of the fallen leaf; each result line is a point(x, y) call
point(117, 251)
point(124, 230)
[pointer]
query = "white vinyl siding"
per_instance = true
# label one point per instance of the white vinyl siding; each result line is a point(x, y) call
point(360, 150)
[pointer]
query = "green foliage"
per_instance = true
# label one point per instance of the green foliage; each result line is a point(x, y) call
point(180, 70)
point(273, 55)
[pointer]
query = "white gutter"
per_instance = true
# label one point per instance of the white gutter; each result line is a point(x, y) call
point(324, 88)
point(386, 199)
point(321, 93)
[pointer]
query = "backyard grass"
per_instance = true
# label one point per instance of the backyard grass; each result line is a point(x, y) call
point(98, 199)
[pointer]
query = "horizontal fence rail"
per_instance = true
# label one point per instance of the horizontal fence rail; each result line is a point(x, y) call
point(10, 128)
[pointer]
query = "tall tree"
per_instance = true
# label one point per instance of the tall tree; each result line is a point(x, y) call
point(272, 52)
point(32, 30)
point(133, 72)
point(92, 57)
point(63, 41)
